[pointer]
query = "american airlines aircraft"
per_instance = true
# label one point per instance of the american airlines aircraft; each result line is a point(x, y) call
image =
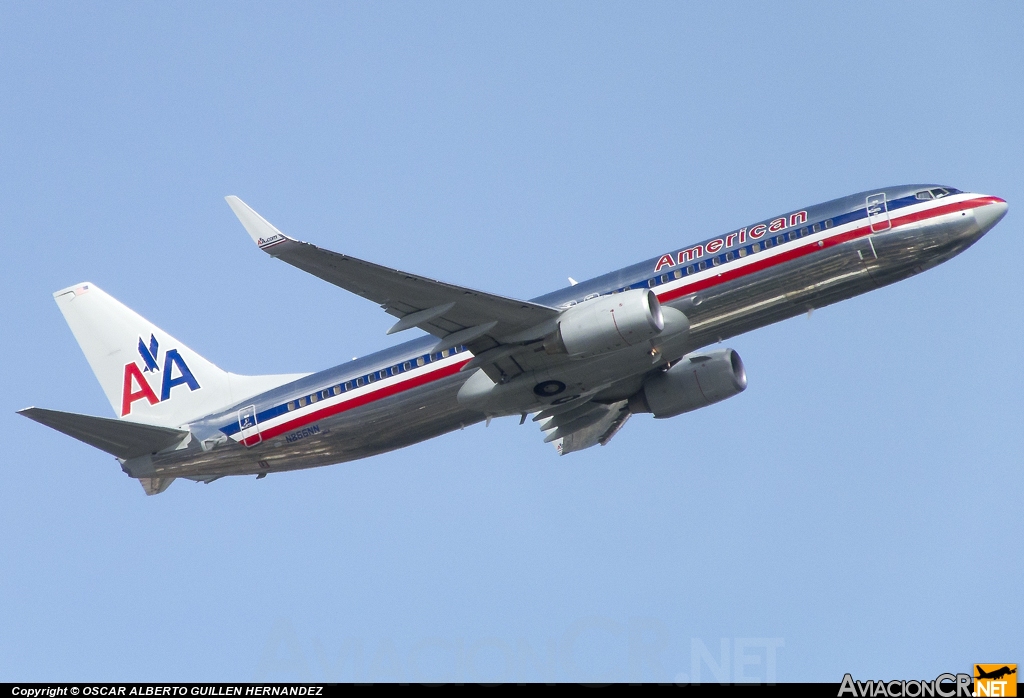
point(581, 359)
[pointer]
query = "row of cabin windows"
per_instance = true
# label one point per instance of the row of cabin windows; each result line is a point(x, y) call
point(741, 252)
point(372, 378)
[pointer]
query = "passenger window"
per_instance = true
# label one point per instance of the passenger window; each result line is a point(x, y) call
point(291, 406)
point(715, 262)
point(768, 243)
point(314, 397)
point(742, 252)
point(816, 228)
point(420, 361)
point(407, 365)
point(677, 274)
point(803, 232)
point(828, 223)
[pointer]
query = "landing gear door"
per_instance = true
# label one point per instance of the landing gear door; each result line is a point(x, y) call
point(878, 213)
point(249, 430)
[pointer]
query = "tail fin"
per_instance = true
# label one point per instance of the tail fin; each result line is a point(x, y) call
point(148, 375)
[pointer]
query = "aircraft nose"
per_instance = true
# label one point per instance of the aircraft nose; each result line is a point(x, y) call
point(991, 213)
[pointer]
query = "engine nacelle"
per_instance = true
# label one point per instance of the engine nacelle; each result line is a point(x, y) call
point(696, 381)
point(608, 323)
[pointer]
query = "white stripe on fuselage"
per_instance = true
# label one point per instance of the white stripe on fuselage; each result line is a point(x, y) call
point(807, 240)
point(349, 395)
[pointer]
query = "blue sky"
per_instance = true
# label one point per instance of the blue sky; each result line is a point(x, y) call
point(852, 511)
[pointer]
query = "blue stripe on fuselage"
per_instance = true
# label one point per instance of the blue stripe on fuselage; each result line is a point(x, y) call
point(637, 276)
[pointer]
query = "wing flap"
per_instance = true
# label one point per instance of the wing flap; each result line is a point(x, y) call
point(599, 432)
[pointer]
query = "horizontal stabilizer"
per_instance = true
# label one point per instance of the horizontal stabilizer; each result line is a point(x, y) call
point(155, 485)
point(117, 437)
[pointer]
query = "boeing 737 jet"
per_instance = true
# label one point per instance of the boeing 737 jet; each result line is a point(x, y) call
point(581, 360)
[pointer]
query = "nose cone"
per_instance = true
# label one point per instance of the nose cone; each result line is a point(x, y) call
point(990, 214)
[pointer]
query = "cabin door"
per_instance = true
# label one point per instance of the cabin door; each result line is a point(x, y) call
point(248, 428)
point(878, 213)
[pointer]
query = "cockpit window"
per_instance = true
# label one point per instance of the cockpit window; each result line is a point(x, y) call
point(924, 195)
point(939, 193)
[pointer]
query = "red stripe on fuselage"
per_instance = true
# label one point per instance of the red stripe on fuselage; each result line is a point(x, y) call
point(352, 403)
point(812, 247)
point(749, 268)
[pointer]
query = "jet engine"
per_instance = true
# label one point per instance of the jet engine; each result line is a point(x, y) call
point(608, 323)
point(695, 381)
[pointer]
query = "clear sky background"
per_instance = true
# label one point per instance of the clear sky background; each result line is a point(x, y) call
point(857, 509)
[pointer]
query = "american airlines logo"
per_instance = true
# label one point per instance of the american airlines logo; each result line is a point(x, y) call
point(137, 386)
point(272, 240)
point(755, 232)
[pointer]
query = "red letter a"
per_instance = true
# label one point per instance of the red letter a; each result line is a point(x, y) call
point(132, 373)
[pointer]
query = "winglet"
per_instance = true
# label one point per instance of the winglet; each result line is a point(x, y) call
point(262, 233)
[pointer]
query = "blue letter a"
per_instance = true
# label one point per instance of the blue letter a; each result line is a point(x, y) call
point(172, 358)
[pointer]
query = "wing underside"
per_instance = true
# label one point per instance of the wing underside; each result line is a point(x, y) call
point(503, 328)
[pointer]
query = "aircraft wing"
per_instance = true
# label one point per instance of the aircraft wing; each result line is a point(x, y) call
point(456, 315)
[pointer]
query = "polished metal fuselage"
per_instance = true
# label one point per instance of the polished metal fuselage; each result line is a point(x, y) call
point(718, 310)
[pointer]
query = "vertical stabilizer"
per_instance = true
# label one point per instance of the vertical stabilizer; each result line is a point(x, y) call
point(147, 375)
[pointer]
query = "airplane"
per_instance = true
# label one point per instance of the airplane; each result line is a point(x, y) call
point(581, 359)
point(995, 674)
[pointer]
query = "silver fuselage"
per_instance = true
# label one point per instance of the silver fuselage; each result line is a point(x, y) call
point(755, 276)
